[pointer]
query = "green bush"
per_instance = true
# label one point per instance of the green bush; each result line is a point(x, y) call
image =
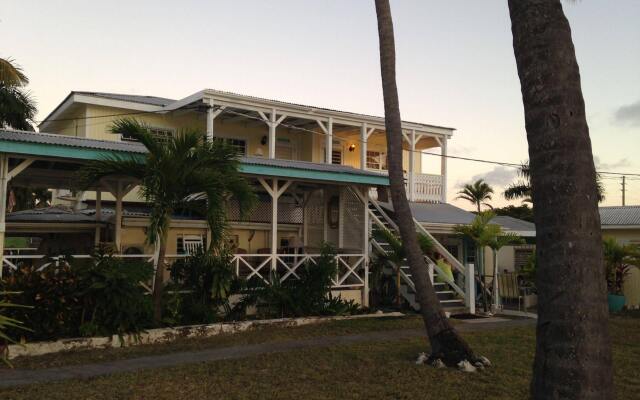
point(200, 288)
point(99, 296)
point(308, 295)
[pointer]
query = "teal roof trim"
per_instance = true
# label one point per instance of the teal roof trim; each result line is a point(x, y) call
point(52, 150)
point(295, 173)
point(88, 153)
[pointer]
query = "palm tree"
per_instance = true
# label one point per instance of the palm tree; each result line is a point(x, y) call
point(573, 350)
point(477, 193)
point(521, 189)
point(184, 172)
point(17, 107)
point(496, 239)
point(618, 259)
point(446, 344)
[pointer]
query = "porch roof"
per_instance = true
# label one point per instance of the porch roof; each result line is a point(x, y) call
point(32, 144)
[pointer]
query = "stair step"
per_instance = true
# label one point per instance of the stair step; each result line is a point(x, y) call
point(451, 301)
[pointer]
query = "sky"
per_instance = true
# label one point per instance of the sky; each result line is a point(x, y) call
point(455, 65)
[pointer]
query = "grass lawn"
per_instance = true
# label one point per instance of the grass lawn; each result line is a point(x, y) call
point(374, 370)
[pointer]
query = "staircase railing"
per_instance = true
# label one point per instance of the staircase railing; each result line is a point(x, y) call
point(441, 249)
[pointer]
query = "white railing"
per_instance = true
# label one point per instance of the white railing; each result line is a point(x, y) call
point(426, 187)
point(351, 271)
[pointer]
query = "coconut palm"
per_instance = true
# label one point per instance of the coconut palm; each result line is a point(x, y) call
point(184, 172)
point(573, 346)
point(618, 259)
point(521, 189)
point(477, 193)
point(17, 107)
point(446, 344)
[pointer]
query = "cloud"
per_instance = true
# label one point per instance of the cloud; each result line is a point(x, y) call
point(621, 163)
point(499, 176)
point(629, 114)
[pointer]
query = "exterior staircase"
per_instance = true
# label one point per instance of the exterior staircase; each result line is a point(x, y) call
point(451, 296)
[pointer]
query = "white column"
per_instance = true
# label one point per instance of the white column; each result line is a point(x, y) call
point(341, 194)
point(4, 170)
point(412, 149)
point(363, 146)
point(274, 224)
point(365, 246)
point(443, 168)
point(496, 286)
point(329, 140)
point(98, 216)
point(210, 118)
point(272, 134)
point(118, 221)
point(470, 289)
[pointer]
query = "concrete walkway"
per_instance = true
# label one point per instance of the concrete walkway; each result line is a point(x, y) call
point(25, 377)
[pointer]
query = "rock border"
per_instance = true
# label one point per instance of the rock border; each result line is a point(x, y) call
point(164, 335)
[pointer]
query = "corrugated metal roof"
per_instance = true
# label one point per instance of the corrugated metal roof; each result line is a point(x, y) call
point(70, 141)
point(622, 215)
point(309, 166)
point(514, 224)
point(153, 100)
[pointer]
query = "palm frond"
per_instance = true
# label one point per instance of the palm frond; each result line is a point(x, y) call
point(116, 166)
point(11, 74)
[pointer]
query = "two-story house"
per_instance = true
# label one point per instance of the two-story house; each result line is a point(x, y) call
point(317, 172)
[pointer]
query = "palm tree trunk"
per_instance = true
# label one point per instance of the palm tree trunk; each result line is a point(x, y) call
point(158, 281)
point(446, 344)
point(573, 351)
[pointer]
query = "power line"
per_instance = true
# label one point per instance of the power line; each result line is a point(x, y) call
point(229, 111)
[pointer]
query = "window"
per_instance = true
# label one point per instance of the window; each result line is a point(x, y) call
point(240, 145)
point(336, 156)
point(160, 134)
point(376, 160)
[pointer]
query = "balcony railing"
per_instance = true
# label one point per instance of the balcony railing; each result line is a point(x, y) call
point(426, 187)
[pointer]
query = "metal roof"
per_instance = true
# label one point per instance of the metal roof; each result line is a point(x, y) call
point(622, 215)
point(514, 224)
point(153, 100)
point(309, 166)
point(70, 141)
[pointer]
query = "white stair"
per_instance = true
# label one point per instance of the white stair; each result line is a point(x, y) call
point(450, 295)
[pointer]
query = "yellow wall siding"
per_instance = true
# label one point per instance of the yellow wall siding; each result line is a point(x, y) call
point(631, 287)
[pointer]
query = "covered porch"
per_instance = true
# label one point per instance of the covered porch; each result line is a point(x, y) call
point(302, 205)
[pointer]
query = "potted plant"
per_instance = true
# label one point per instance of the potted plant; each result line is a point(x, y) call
point(618, 259)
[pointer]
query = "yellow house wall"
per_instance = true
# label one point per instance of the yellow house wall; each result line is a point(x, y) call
point(631, 288)
point(73, 123)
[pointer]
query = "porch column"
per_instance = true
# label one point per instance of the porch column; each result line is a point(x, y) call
point(329, 140)
point(341, 194)
point(363, 146)
point(212, 113)
point(272, 122)
point(4, 169)
point(412, 149)
point(275, 191)
point(98, 216)
point(118, 221)
point(365, 246)
point(443, 168)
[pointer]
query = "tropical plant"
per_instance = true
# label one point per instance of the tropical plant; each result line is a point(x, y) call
point(310, 294)
point(7, 323)
point(523, 212)
point(183, 172)
point(202, 284)
point(114, 302)
point(17, 107)
point(521, 189)
point(98, 296)
point(446, 344)
point(476, 193)
point(495, 238)
point(618, 260)
point(568, 235)
point(396, 254)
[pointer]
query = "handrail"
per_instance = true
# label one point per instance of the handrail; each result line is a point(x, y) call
point(441, 249)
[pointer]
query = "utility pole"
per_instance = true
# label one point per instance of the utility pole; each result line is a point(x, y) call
point(624, 188)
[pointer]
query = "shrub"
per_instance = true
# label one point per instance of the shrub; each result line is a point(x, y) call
point(7, 323)
point(200, 288)
point(99, 296)
point(308, 295)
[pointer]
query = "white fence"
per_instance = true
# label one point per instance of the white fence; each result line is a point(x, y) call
point(426, 188)
point(351, 272)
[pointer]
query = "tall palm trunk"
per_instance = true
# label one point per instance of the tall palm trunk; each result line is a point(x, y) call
point(158, 281)
point(446, 344)
point(573, 352)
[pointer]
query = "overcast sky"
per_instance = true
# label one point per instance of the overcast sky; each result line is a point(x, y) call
point(455, 64)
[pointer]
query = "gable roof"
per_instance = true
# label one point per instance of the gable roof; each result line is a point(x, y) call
point(134, 98)
point(620, 216)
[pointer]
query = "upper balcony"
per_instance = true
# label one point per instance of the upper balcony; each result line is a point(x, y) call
point(271, 129)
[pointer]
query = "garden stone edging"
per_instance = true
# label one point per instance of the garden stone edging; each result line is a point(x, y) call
point(163, 335)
